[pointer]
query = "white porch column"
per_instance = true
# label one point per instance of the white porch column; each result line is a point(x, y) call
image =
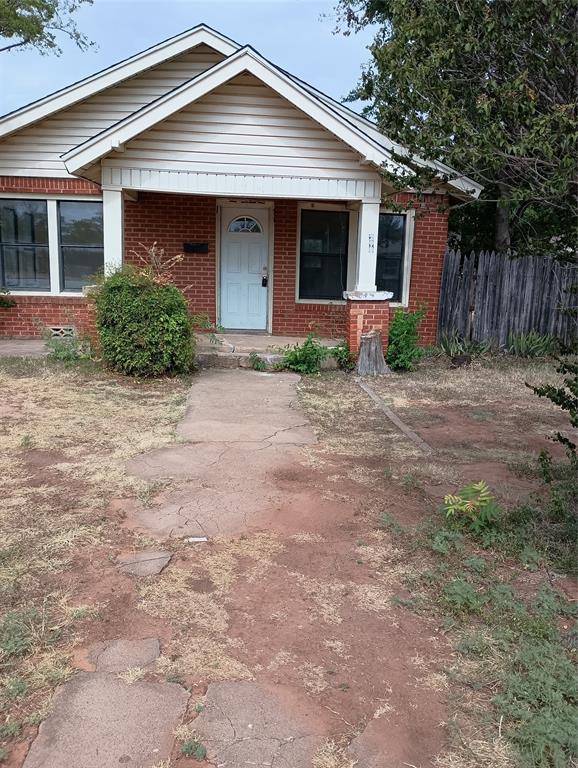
point(112, 212)
point(367, 247)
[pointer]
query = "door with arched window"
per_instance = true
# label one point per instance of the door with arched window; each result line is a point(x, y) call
point(244, 269)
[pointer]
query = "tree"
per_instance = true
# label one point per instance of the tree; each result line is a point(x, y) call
point(37, 23)
point(490, 88)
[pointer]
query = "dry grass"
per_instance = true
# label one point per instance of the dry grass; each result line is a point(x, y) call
point(64, 437)
point(332, 755)
point(203, 658)
point(194, 599)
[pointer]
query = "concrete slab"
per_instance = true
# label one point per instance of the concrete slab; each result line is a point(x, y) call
point(241, 405)
point(120, 655)
point(242, 430)
point(98, 721)
point(143, 563)
point(242, 724)
point(22, 348)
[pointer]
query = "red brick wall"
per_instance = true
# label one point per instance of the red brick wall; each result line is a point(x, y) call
point(363, 316)
point(170, 221)
point(430, 237)
point(28, 185)
point(429, 245)
point(33, 313)
point(290, 318)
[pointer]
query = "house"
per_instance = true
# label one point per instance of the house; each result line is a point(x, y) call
point(271, 189)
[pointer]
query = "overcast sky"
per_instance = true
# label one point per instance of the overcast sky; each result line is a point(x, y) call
point(292, 33)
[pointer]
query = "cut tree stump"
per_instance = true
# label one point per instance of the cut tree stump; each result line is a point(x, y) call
point(370, 360)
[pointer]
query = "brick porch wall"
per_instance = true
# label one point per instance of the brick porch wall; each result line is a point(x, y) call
point(172, 220)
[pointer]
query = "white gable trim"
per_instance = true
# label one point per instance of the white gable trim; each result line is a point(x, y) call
point(111, 76)
point(462, 183)
point(246, 59)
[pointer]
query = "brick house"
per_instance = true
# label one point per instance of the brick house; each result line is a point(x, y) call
point(271, 190)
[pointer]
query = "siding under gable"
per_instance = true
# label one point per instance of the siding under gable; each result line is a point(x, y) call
point(36, 150)
point(242, 127)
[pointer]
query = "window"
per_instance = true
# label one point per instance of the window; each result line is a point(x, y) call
point(81, 244)
point(323, 254)
point(245, 224)
point(24, 260)
point(391, 254)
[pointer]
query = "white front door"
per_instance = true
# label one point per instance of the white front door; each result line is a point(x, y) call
point(244, 268)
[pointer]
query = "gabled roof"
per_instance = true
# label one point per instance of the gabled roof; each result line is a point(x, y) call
point(353, 129)
point(106, 78)
point(244, 60)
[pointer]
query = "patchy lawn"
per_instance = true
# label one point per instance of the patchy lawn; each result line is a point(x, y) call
point(64, 437)
point(358, 605)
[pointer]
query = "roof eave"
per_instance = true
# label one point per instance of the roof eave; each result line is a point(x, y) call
point(106, 78)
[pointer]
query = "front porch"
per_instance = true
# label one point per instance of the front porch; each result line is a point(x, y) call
point(237, 350)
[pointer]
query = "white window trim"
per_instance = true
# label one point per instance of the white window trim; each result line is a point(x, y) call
point(409, 214)
point(351, 246)
point(53, 239)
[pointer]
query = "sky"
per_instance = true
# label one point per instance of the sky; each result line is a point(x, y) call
point(297, 35)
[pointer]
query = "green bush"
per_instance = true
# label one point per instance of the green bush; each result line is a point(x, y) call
point(403, 351)
point(143, 325)
point(304, 358)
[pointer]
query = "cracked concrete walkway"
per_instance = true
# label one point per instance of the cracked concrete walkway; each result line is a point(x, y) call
point(241, 428)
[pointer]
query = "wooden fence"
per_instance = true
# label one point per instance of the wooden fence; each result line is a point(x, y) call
point(487, 296)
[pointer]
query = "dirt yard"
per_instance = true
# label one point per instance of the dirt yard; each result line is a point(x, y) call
point(322, 603)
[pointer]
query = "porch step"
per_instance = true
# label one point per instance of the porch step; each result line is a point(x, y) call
point(245, 360)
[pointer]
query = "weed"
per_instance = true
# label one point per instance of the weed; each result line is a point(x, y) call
point(26, 442)
point(4, 754)
point(68, 349)
point(531, 344)
point(304, 358)
point(10, 729)
point(473, 508)
point(403, 351)
point(257, 363)
point(15, 688)
point(388, 523)
point(17, 632)
point(476, 564)
point(461, 597)
point(444, 541)
point(344, 356)
point(454, 345)
point(194, 748)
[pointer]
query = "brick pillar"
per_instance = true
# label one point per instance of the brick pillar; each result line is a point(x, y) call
point(364, 316)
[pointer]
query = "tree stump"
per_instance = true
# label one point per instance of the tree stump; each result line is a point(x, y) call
point(370, 360)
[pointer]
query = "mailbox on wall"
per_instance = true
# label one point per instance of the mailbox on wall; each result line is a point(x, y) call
point(195, 247)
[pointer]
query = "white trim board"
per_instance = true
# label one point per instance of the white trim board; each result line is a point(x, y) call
point(240, 185)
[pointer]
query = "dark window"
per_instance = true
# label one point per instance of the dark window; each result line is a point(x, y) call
point(81, 245)
point(390, 254)
point(24, 262)
point(323, 254)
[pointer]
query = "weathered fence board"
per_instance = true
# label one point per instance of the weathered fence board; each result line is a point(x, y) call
point(488, 296)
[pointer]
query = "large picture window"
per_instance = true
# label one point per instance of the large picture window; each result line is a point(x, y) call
point(24, 259)
point(81, 243)
point(391, 254)
point(323, 254)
